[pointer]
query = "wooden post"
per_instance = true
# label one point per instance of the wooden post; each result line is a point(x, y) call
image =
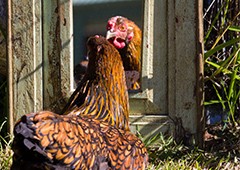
point(24, 58)
point(57, 53)
point(39, 56)
point(172, 74)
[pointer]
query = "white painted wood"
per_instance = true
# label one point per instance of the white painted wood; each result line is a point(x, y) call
point(39, 56)
point(172, 68)
point(24, 58)
point(57, 53)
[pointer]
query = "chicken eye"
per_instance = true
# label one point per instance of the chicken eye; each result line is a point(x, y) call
point(122, 28)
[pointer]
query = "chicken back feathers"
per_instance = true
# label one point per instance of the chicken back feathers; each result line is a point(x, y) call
point(102, 93)
point(126, 36)
point(87, 137)
point(45, 140)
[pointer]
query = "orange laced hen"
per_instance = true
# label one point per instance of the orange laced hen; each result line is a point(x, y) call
point(94, 134)
point(126, 36)
point(102, 93)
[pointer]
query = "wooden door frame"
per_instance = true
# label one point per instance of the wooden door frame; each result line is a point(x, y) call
point(40, 65)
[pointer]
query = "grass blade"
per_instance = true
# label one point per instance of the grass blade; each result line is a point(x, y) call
point(220, 47)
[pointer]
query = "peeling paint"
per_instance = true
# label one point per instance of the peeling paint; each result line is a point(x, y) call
point(56, 81)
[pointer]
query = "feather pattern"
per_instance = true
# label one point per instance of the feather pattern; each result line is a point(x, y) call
point(121, 30)
point(102, 94)
point(94, 135)
point(73, 142)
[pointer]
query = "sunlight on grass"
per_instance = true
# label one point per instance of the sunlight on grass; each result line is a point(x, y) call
point(168, 155)
point(5, 150)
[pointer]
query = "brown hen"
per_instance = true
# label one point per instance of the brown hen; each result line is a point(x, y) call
point(126, 36)
point(88, 137)
point(102, 93)
point(45, 140)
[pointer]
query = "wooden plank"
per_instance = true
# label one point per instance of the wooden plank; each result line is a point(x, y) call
point(24, 58)
point(150, 125)
point(66, 54)
point(172, 68)
point(185, 67)
point(57, 37)
point(200, 75)
point(171, 63)
point(152, 104)
point(186, 90)
point(152, 98)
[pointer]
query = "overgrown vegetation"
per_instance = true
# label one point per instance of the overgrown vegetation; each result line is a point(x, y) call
point(5, 150)
point(222, 57)
point(170, 156)
point(5, 138)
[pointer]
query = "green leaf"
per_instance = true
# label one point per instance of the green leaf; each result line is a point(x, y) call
point(234, 28)
point(213, 23)
point(219, 97)
point(220, 47)
point(220, 68)
point(231, 87)
point(212, 102)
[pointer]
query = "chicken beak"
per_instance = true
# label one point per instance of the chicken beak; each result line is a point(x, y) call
point(110, 35)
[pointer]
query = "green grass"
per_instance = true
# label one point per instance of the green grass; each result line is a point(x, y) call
point(168, 155)
point(5, 150)
point(5, 156)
